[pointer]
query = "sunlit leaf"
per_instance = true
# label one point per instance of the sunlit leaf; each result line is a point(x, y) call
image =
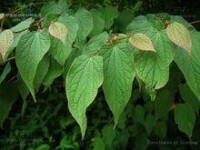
point(142, 42)
point(58, 30)
point(6, 40)
point(180, 35)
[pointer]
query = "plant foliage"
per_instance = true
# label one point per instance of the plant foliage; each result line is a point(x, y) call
point(92, 54)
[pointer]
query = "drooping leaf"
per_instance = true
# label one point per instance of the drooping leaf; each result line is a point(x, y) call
point(95, 43)
point(6, 40)
point(22, 25)
point(53, 8)
point(189, 64)
point(188, 96)
point(153, 68)
point(108, 14)
point(58, 49)
point(31, 49)
point(162, 105)
point(23, 92)
point(99, 23)
point(84, 78)
point(58, 30)
point(180, 35)
point(118, 76)
point(142, 42)
point(5, 72)
point(141, 24)
point(185, 118)
point(8, 95)
point(85, 23)
point(17, 37)
point(54, 71)
point(41, 72)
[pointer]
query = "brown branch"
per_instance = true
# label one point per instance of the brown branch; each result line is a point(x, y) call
point(193, 22)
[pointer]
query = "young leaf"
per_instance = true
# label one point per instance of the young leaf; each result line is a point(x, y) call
point(84, 78)
point(185, 118)
point(180, 35)
point(58, 30)
point(22, 25)
point(6, 40)
point(118, 76)
point(153, 68)
point(58, 50)
point(142, 42)
point(31, 49)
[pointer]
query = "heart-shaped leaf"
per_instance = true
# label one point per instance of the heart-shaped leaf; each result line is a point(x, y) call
point(6, 40)
point(58, 30)
point(142, 42)
point(180, 35)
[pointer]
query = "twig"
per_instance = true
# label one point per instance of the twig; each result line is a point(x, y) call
point(193, 22)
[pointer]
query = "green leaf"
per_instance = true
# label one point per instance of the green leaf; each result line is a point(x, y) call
point(189, 64)
point(161, 129)
point(118, 76)
point(181, 20)
point(85, 22)
point(84, 78)
point(31, 49)
point(23, 91)
point(188, 96)
point(149, 123)
point(17, 37)
point(8, 95)
point(58, 49)
point(54, 71)
point(108, 14)
point(58, 30)
point(22, 25)
point(142, 42)
point(153, 68)
point(98, 22)
point(180, 35)
point(5, 72)
point(162, 105)
point(108, 136)
point(6, 40)
point(41, 72)
point(139, 114)
point(141, 24)
point(185, 118)
point(98, 144)
point(53, 8)
point(95, 43)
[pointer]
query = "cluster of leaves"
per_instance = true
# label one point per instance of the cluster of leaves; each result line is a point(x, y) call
point(89, 52)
